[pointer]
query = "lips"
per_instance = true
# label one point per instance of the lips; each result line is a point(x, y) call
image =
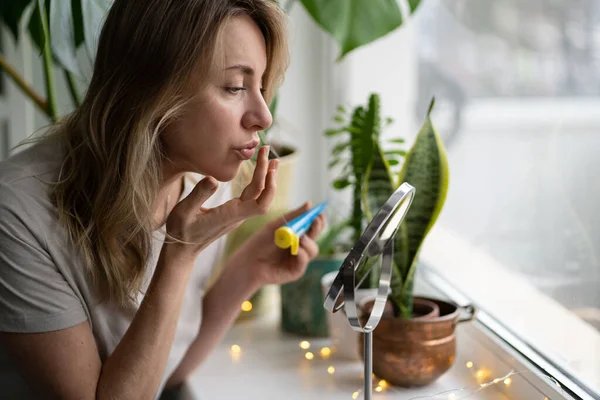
point(247, 151)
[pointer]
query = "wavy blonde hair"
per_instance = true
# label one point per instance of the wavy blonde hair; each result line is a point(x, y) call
point(148, 53)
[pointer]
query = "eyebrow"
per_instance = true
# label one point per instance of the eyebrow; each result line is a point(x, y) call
point(244, 68)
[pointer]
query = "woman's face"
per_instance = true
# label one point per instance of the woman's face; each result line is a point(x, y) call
point(219, 128)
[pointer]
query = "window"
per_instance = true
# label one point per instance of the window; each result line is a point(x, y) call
point(518, 89)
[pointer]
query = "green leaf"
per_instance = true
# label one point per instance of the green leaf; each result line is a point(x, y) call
point(339, 148)
point(93, 12)
point(393, 162)
point(341, 109)
point(339, 118)
point(334, 163)
point(333, 132)
point(397, 140)
point(394, 153)
point(78, 32)
point(354, 23)
point(36, 31)
point(377, 188)
point(341, 183)
point(62, 36)
point(413, 4)
point(425, 168)
point(11, 12)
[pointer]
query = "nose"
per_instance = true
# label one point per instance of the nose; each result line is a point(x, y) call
point(257, 116)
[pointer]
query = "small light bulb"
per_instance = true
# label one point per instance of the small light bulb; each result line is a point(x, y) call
point(235, 348)
point(469, 364)
point(451, 396)
point(325, 352)
point(355, 395)
point(479, 374)
point(305, 345)
point(378, 389)
point(383, 383)
point(309, 355)
point(246, 306)
point(331, 370)
point(507, 381)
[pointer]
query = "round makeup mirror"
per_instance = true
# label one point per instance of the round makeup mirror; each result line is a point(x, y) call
point(377, 239)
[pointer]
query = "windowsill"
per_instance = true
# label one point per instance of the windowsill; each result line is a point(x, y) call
point(536, 318)
point(271, 365)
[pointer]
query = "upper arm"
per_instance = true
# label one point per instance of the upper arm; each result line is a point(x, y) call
point(59, 364)
point(43, 325)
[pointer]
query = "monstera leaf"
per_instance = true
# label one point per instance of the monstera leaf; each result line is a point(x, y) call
point(354, 23)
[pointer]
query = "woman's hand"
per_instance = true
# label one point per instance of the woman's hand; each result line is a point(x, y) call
point(269, 263)
point(197, 226)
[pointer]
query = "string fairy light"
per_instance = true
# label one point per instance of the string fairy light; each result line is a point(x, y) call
point(479, 373)
point(325, 352)
point(305, 345)
point(246, 306)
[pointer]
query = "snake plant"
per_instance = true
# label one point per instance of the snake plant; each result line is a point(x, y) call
point(426, 168)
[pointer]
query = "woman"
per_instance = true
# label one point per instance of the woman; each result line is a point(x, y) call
point(95, 302)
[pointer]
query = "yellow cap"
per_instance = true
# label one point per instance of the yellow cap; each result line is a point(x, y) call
point(285, 237)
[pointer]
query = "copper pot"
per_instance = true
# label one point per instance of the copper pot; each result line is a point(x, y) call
point(418, 351)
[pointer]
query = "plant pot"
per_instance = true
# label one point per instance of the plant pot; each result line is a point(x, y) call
point(302, 309)
point(418, 351)
point(343, 337)
point(280, 205)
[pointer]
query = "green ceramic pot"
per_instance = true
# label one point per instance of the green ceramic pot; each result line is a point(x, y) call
point(302, 309)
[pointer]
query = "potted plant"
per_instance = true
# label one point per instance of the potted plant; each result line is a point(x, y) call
point(414, 342)
point(357, 132)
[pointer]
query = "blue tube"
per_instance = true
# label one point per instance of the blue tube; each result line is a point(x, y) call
point(289, 234)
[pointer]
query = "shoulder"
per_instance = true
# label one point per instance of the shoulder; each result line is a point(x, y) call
point(30, 172)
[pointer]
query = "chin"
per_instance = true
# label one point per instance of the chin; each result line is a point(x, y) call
point(224, 174)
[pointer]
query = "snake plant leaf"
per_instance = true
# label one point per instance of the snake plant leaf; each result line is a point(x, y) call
point(62, 35)
point(11, 12)
point(354, 23)
point(425, 168)
point(378, 186)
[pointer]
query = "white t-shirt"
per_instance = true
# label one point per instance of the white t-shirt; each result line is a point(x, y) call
point(43, 284)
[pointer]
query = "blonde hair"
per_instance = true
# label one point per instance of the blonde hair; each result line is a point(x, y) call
point(148, 52)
